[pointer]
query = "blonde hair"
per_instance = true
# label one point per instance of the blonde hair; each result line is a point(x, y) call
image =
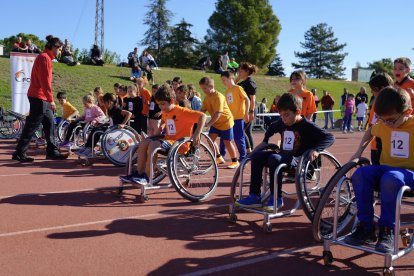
point(88, 99)
point(143, 80)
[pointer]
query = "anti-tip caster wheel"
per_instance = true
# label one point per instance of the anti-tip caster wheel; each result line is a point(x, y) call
point(232, 218)
point(388, 271)
point(405, 238)
point(143, 198)
point(327, 257)
point(267, 227)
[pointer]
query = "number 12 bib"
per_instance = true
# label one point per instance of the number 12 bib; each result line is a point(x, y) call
point(288, 140)
point(171, 130)
point(400, 146)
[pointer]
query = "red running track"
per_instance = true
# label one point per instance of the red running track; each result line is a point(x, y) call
point(59, 218)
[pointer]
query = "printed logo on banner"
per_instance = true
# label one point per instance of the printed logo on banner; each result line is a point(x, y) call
point(20, 76)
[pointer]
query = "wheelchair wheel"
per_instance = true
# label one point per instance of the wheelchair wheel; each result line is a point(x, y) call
point(237, 192)
point(61, 130)
point(11, 126)
point(204, 138)
point(322, 225)
point(192, 171)
point(312, 178)
point(116, 144)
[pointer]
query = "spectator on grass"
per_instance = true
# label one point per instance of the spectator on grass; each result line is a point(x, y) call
point(327, 103)
point(32, 48)
point(344, 97)
point(19, 46)
point(362, 94)
point(233, 65)
point(95, 57)
point(194, 97)
point(316, 99)
point(67, 55)
point(225, 60)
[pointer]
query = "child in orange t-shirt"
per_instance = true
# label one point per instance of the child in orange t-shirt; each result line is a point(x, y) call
point(178, 123)
point(402, 68)
point(298, 81)
point(145, 95)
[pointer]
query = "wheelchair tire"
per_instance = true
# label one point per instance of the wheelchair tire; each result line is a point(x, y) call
point(61, 130)
point(11, 125)
point(116, 144)
point(207, 140)
point(322, 224)
point(192, 171)
point(312, 178)
point(236, 194)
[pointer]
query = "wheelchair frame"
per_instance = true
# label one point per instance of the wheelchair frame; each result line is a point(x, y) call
point(338, 239)
point(300, 174)
point(166, 168)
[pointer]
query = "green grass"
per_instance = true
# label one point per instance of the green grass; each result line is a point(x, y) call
point(79, 80)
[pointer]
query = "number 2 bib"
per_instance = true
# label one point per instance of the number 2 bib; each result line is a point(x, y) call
point(288, 140)
point(400, 144)
point(171, 130)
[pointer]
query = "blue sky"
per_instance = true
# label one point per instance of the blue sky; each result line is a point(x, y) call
point(372, 29)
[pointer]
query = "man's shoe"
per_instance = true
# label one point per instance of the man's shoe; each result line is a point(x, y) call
point(56, 156)
point(361, 235)
point(23, 158)
point(385, 242)
point(251, 201)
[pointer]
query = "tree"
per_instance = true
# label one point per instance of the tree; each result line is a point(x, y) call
point(157, 19)
point(179, 51)
point(384, 65)
point(9, 41)
point(276, 67)
point(247, 29)
point(323, 57)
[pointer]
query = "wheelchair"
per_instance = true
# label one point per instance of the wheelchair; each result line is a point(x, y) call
point(115, 144)
point(310, 180)
point(192, 171)
point(11, 124)
point(335, 217)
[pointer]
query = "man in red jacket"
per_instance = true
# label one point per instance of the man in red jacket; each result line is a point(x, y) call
point(42, 104)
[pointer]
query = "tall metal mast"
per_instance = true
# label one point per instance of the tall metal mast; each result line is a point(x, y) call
point(99, 25)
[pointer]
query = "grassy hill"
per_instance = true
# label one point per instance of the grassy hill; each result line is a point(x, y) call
point(79, 80)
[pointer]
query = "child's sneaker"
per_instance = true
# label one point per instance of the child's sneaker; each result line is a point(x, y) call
point(344, 131)
point(220, 160)
point(87, 152)
point(233, 165)
point(361, 235)
point(128, 178)
point(385, 242)
point(269, 205)
point(141, 179)
point(252, 201)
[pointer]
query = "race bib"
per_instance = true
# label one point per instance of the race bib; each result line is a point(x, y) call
point(230, 98)
point(152, 105)
point(400, 144)
point(171, 130)
point(288, 140)
point(88, 113)
point(374, 119)
point(130, 106)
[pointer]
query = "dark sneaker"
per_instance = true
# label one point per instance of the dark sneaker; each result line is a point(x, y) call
point(269, 205)
point(23, 158)
point(56, 156)
point(128, 178)
point(385, 242)
point(251, 201)
point(361, 235)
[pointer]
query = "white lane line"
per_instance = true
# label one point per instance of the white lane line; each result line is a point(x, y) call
point(167, 213)
point(54, 172)
point(250, 261)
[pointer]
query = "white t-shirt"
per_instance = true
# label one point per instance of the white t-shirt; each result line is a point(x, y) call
point(362, 109)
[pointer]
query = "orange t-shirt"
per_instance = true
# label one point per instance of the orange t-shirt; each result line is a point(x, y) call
point(407, 83)
point(179, 123)
point(146, 99)
point(308, 102)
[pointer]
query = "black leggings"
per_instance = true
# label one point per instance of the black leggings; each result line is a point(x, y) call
point(248, 135)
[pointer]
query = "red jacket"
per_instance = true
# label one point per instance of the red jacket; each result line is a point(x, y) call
point(41, 78)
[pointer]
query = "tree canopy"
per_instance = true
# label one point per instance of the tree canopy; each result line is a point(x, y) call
point(323, 56)
point(247, 29)
point(384, 65)
point(276, 67)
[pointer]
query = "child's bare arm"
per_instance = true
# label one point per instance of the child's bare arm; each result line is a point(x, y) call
point(213, 119)
point(366, 139)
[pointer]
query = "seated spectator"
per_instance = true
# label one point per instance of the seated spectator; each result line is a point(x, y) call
point(95, 56)
point(273, 109)
point(146, 67)
point(19, 46)
point(133, 62)
point(148, 60)
point(32, 48)
point(67, 55)
point(233, 65)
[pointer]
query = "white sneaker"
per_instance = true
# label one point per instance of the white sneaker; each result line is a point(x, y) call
point(344, 131)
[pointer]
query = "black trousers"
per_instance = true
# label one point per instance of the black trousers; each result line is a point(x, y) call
point(248, 128)
point(40, 113)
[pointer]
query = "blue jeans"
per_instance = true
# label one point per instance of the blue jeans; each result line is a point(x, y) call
point(238, 134)
point(390, 181)
point(347, 122)
point(329, 115)
point(269, 159)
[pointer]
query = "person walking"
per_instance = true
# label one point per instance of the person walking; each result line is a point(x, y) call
point(42, 104)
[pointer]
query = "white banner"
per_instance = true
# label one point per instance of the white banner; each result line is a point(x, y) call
point(20, 71)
